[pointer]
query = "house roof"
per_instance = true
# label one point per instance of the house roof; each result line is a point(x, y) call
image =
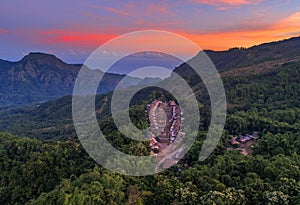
point(172, 103)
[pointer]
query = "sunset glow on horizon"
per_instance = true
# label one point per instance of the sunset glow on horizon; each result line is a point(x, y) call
point(73, 29)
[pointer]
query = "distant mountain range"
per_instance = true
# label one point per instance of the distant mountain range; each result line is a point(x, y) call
point(284, 51)
point(41, 77)
point(266, 74)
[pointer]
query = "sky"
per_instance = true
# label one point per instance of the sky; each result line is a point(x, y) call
point(73, 29)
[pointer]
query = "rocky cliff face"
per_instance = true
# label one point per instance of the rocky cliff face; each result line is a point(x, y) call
point(41, 77)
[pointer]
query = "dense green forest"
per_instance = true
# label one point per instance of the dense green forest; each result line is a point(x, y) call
point(43, 171)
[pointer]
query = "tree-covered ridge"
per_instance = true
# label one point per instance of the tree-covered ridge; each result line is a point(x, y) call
point(265, 96)
point(39, 77)
point(41, 172)
point(49, 172)
point(30, 167)
point(269, 176)
point(281, 51)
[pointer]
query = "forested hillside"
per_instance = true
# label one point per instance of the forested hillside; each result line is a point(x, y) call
point(266, 102)
point(40, 77)
point(274, 52)
point(51, 167)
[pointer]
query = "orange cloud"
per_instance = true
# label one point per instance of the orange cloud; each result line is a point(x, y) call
point(227, 2)
point(289, 25)
point(75, 38)
point(2, 31)
point(286, 28)
point(219, 40)
point(222, 5)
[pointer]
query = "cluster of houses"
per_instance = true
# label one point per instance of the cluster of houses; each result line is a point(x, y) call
point(165, 124)
point(243, 143)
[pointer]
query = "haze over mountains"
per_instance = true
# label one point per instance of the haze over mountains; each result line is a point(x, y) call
point(262, 90)
point(257, 63)
point(40, 77)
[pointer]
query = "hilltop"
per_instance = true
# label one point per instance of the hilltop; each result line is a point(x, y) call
point(39, 77)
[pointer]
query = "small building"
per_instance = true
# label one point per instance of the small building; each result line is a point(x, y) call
point(172, 103)
point(243, 143)
point(155, 149)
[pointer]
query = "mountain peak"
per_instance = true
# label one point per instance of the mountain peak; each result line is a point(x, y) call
point(39, 55)
point(41, 58)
